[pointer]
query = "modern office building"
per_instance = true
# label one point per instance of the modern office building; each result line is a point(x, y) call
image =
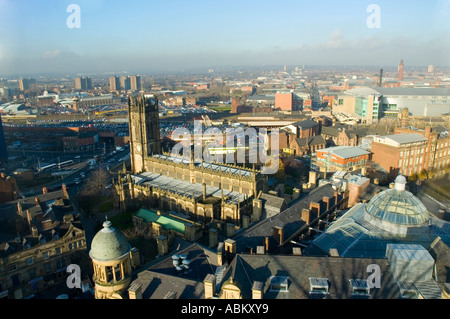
point(374, 103)
point(341, 158)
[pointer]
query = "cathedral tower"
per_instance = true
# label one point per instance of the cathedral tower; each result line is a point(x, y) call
point(143, 121)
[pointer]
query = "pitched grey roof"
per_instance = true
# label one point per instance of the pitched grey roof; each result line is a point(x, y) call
point(273, 202)
point(311, 140)
point(289, 219)
point(306, 124)
point(346, 151)
point(160, 276)
point(414, 91)
point(406, 138)
point(246, 269)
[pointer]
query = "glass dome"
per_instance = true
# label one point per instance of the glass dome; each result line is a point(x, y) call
point(398, 206)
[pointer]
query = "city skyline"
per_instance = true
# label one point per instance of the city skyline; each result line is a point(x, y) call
point(141, 36)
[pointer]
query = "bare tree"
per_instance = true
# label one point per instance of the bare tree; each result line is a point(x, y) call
point(93, 190)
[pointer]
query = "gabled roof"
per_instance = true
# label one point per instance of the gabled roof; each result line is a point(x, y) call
point(337, 272)
point(441, 253)
point(161, 276)
point(273, 202)
point(311, 140)
point(289, 219)
point(306, 124)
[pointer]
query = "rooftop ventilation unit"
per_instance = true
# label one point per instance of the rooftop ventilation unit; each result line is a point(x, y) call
point(181, 262)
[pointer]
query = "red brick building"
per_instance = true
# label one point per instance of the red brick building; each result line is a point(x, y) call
point(287, 102)
point(8, 188)
point(437, 153)
point(400, 153)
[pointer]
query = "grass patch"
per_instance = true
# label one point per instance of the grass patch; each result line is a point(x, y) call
point(220, 108)
point(106, 206)
point(122, 221)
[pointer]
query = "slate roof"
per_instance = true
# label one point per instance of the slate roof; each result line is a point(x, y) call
point(441, 253)
point(246, 269)
point(160, 277)
point(312, 140)
point(306, 124)
point(273, 202)
point(289, 219)
point(51, 209)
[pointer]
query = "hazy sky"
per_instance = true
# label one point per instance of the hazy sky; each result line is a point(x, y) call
point(136, 35)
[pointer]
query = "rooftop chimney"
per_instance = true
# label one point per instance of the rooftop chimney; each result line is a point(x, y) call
point(135, 291)
point(210, 286)
point(204, 191)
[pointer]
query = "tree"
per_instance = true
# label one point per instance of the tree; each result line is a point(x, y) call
point(423, 174)
point(280, 174)
point(93, 190)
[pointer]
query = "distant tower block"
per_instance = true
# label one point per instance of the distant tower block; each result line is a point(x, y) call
point(380, 82)
point(400, 71)
point(430, 68)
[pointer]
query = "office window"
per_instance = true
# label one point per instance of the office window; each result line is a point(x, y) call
point(32, 273)
point(48, 268)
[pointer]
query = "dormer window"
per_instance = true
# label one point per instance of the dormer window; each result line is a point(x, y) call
point(26, 244)
point(42, 240)
point(279, 283)
point(318, 286)
point(359, 288)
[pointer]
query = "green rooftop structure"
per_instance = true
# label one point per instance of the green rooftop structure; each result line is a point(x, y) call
point(166, 221)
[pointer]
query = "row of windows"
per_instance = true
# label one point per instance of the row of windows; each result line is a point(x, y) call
point(17, 279)
point(418, 160)
point(46, 254)
point(414, 151)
